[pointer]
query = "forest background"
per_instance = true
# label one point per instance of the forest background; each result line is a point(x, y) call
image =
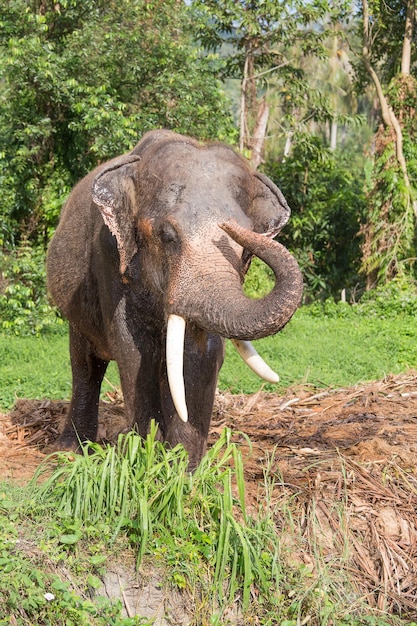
point(320, 95)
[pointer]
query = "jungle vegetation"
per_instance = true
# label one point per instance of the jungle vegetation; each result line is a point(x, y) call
point(320, 95)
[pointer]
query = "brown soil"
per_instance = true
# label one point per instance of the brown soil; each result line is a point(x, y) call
point(354, 447)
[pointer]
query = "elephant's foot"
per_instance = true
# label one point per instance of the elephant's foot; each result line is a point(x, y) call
point(64, 443)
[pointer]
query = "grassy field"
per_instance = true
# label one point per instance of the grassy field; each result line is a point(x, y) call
point(322, 351)
point(135, 504)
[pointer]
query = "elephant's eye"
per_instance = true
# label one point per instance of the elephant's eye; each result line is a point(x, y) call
point(168, 233)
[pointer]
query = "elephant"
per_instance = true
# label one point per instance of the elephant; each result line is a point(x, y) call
point(147, 264)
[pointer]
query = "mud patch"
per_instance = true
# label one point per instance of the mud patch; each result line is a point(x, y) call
point(367, 423)
point(149, 596)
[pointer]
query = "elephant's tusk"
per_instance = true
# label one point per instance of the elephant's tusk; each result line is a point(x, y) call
point(175, 363)
point(255, 361)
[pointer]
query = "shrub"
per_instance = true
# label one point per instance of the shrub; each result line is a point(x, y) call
point(390, 299)
point(259, 280)
point(398, 297)
point(24, 307)
point(325, 192)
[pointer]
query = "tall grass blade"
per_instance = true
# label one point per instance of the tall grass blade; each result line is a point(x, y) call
point(145, 527)
point(247, 566)
point(240, 479)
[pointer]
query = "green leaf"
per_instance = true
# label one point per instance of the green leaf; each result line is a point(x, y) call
point(98, 559)
point(70, 538)
point(93, 581)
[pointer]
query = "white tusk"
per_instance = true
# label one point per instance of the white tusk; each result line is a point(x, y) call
point(175, 363)
point(255, 361)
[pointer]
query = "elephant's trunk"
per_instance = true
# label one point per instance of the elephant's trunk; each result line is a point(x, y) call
point(231, 313)
point(218, 303)
point(253, 319)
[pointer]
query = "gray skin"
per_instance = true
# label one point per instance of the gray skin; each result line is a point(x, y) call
point(168, 228)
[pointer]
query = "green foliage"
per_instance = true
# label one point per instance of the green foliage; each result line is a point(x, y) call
point(325, 344)
point(390, 232)
point(397, 297)
point(388, 21)
point(270, 25)
point(81, 82)
point(24, 308)
point(195, 528)
point(392, 300)
point(32, 592)
point(324, 191)
point(141, 488)
point(268, 46)
point(259, 280)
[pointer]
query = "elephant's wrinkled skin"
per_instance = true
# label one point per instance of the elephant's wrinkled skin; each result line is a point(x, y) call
point(166, 230)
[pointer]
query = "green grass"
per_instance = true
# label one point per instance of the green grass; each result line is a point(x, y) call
point(38, 367)
point(333, 352)
point(137, 498)
point(322, 351)
point(40, 582)
point(137, 501)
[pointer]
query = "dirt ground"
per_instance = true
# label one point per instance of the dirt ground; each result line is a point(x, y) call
point(325, 446)
point(373, 422)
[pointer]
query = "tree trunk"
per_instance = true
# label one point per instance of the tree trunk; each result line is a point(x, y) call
point(243, 113)
point(254, 113)
point(288, 144)
point(259, 133)
point(333, 135)
point(408, 36)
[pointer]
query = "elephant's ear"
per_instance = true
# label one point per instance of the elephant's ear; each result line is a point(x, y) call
point(114, 193)
point(269, 211)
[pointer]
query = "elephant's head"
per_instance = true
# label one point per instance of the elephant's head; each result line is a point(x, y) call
point(196, 215)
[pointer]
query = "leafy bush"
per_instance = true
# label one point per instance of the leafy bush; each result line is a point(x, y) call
point(24, 308)
point(398, 297)
point(325, 192)
point(81, 82)
point(390, 230)
point(259, 280)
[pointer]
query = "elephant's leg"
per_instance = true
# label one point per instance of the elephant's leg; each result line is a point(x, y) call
point(203, 358)
point(87, 375)
point(139, 372)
